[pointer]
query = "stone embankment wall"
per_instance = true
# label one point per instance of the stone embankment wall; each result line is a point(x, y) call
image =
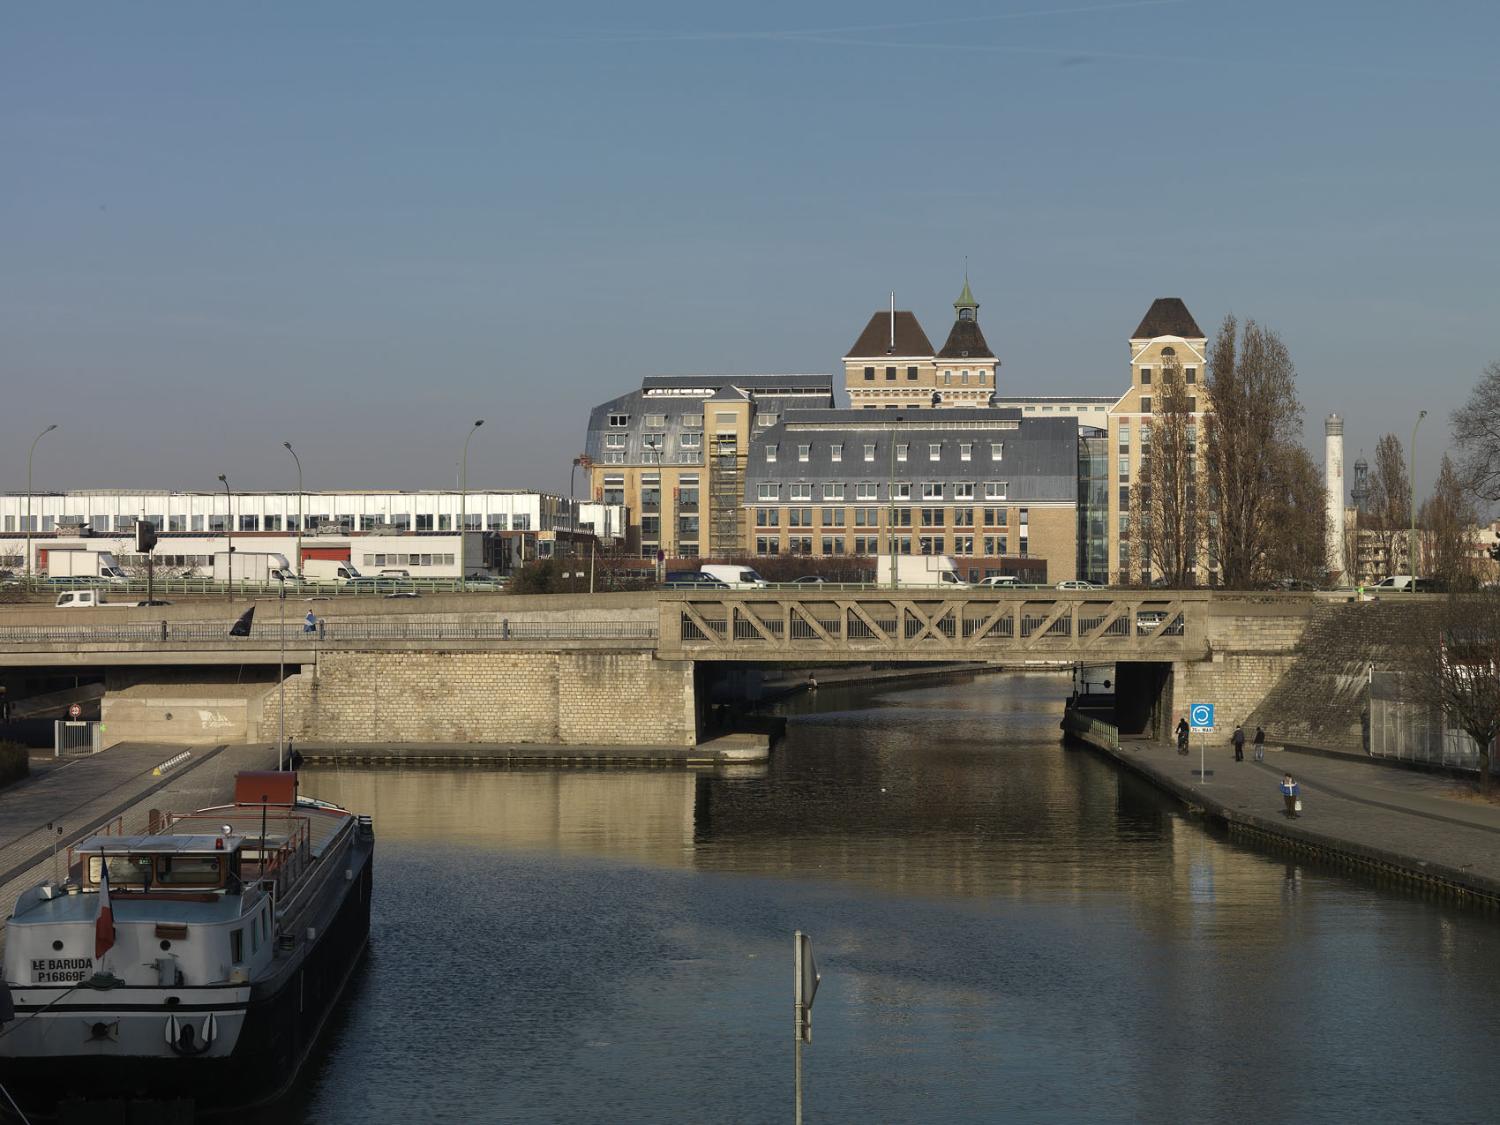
point(580, 698)
point(1323, 699)
point(184, 707)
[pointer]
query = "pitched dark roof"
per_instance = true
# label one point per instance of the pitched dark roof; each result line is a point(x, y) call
point(1167, 316)
point(875, 340)
point(966, 341)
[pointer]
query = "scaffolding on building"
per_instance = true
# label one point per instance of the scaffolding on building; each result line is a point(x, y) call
point(726, 477)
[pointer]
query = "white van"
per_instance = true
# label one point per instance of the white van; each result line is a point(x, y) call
point(1394, 582)
point(735, 577)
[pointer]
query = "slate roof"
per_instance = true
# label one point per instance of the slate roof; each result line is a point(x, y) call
point(754, 383)
point(875, 340)
point(966, 341)
point(1167, 316)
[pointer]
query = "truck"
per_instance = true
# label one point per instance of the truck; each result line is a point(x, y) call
point(917, 570)
point(258, 567)
point(88, 599)
point(735, 577)
point(78, 563)
point(337, 571)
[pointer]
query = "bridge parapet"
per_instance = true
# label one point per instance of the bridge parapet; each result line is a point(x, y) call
point(934, 625)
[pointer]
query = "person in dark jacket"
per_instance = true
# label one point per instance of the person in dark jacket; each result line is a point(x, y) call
point(1239, 743)
point(1182, 736)
point(1260, 744)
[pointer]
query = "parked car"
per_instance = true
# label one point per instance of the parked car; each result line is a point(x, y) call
point(404, 594)
point(995, 580)
point(810, 580)
point(1147, 621)
point(1079, 584)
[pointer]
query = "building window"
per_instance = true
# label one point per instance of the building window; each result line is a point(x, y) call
point(901, 517)
point(803, 452)
point(996, 517)
point(799, 545)
point(963, 490)
point(963, 517)
point(966, 451)
point(833, 545)
point(723, 417)
point(656, 421)
point(767, 517)
point(650, 527)
point(692, 421)
point(1124, 436)
point(1192, 405)
point(1145, 404)
point(982, 375)
point(866, 490)
point(768, 419)
point(768, 490)
point(867, 544)
point(1190, 375)
point(836, 451)
point(801, 491)
point(995, 545)
point(995, 489)
point(690, 441)
point(618, 420)
point(947, 378)
point(770, 452)
point(614, 441)
point(799, 517)
point(869, 374)
point(963, 377)
point(901, 448)
point(930, 544)
point(247, 523)
point(902, 490)
point(911, 374)
point(833, 517)
point(997, 451)
point(1124, 468)
point(833, 491)
point(869, 451)
point(963, 544)
point(1145, 376)
point(932, 490)
point(932, 517)
point(935, 451)
point(890, 374)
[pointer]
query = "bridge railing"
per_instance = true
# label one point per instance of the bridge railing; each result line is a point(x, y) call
point(326, 632)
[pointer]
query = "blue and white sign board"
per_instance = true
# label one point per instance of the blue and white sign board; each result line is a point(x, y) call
point(1201, 717)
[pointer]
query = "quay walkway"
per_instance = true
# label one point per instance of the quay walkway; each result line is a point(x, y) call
point(1420, 828)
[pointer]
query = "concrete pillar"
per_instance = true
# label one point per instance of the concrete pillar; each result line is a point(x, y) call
point(1333, 479)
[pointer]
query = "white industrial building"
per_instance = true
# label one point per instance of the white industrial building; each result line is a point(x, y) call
point(413, 531)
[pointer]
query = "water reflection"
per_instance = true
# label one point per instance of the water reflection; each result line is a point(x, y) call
point(1008, 929)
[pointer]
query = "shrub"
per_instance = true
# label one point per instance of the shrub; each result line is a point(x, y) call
point(15, 762)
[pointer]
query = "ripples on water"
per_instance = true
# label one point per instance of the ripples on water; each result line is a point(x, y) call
point(1008, 929)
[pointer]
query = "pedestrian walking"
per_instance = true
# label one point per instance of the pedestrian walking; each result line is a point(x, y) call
point(1260, 743)
point(310, 622)
point(1289, 794)
point(1239, 743)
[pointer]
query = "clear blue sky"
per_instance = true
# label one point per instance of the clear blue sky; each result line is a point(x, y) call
point(358, 226)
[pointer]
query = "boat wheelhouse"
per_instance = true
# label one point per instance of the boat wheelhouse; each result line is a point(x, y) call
point(198, 959)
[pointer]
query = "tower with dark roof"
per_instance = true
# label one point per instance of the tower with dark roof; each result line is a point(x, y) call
point(965, 365)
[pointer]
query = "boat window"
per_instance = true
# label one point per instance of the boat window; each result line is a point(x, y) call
point(123, 869)
point(254, 937)
point(196, 870)
point(265, 923)
point(236, 946)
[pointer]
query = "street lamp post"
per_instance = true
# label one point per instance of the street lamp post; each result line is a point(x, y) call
point(1411, 543)
point(890, 530)
point(463, 501)
point(300, 517)
point(229, 538)
point(281, 676)
point(34, 440)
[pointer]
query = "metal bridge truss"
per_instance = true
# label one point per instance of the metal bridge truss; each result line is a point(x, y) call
point(918, 627)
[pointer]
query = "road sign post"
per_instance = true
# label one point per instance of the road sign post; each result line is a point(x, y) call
point(1201, 720)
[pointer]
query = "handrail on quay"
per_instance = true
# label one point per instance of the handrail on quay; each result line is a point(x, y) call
point(329, 631)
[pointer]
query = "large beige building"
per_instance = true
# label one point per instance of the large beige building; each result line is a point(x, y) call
point(1167, 338)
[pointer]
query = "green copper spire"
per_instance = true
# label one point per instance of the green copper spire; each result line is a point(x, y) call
point(966, 307)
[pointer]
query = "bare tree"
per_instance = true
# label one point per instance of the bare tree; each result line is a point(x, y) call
point(1252, 385)
point(1166, 528)
point(1449, 524)
point(1297, 547)
point(1452, 661)
point(1390, 501)
point(1476, 430)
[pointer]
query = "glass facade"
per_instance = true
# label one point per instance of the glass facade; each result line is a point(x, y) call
point(1093, 505)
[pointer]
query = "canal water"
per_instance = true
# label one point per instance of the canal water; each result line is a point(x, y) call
point(1008, 929)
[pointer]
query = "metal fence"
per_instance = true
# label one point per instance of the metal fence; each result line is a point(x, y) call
point(71, 739)
point(1404, 729)
point(327, 632)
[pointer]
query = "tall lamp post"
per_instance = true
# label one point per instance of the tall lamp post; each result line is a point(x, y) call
point(300, 518)
point(1411, 544)
point(229, 537)
point(463, 500)
point(34, 440)
point(281, 675)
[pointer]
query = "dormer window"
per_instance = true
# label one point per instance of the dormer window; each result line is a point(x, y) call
point(966, 314)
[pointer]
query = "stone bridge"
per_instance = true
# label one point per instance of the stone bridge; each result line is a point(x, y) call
point(613, 668)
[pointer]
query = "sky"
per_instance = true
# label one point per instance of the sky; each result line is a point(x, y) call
point(360, 226)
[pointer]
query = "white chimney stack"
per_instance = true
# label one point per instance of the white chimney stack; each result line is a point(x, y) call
point(1333, 478)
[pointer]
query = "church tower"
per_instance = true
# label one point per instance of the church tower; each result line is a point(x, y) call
point(965, 368)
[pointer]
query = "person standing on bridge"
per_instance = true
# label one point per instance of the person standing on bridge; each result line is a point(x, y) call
point(1239, 742)
point(1289, 793)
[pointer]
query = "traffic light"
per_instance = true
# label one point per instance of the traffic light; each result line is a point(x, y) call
point(145, 536)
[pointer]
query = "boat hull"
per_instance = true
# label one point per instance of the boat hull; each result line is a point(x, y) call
point(262, 1032)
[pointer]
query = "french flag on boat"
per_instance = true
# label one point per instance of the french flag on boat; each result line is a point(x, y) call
point(104, 923)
